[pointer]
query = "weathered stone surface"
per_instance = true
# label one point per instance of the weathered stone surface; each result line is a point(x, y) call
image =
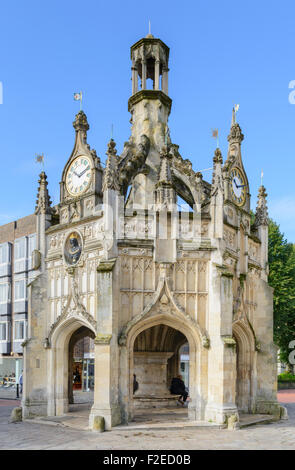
point(283, 412)
point(16, 415)
point(98, 424)
point(151, 278)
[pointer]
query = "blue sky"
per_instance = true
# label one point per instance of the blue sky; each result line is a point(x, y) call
point(220, 53)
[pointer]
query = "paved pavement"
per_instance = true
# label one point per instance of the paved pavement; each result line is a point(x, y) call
point(29, 435)
point(286, 396)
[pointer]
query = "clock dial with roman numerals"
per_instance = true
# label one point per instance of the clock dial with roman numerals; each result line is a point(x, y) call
point(78, 176)
point(238, 187)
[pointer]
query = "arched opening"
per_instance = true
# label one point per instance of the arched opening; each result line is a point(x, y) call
point(62, 362)
point(245, 365)
point(157, 355)
point(81, 367)
point(197, 362)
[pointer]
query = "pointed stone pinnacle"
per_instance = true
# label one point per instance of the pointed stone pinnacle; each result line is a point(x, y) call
point(43, 202)
point(81, 123)
point(217, 156)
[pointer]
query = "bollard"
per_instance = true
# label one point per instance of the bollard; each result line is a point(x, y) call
point(98, 424)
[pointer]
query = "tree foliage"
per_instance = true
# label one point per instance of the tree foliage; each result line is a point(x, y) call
point(281, 258)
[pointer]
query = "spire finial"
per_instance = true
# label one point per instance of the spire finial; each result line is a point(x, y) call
point(81, 123)
point(43, 202)
point(261, 215)
point(235, 134)
point(149, 35)
point(233, 117)
point(110, 178)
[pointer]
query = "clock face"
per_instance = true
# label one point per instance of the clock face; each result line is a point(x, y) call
point(238, 187)
point(78, 176)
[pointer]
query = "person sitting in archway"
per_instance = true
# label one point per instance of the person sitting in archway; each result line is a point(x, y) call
point(135, 384)
point(178, 388)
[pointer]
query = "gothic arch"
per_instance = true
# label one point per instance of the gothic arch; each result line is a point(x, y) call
point(246, 366)
point(164, 301)
point(185, 188)
point(59, 363)
point(197, 355)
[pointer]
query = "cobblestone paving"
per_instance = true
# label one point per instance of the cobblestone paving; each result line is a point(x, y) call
point(27, 435)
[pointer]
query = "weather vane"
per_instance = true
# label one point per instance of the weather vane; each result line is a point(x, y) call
point(215, 136)
point(78, 97)
point(236, 109)
point(40, 159)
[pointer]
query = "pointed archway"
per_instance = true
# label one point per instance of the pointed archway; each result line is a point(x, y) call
point(184, 334)
point(63, 338)
point(79, 365)
point(245, 367)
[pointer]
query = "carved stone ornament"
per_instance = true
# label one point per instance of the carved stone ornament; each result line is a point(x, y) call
point(261, 215)
point(235, 134)
point(73, 308)
point(73, 248)
point(106, 266)
point(102, 338)
point(229, 341)
point(36, 259)
point(169, 306)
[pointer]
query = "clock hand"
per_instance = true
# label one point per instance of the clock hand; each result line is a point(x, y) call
point(83, 171)
point(241, 185)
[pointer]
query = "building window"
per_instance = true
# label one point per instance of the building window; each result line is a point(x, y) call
point(3, 331)
point(19, 329)
point(31, 248)
point(4, 293)
point(32, 243)
point(19, 290)
point(20, 248)
point(4, 253)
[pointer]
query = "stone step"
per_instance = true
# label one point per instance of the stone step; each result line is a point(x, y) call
point(246, 420)
point(155, 401)
point(168, 426)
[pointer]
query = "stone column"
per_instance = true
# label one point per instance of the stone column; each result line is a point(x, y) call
point(165, 80)
point(157, 75)
point(134, 79)
point(222, 354)
point(143, 77)
point(106, 352)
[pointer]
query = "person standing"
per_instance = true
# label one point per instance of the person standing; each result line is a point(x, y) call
point(20, 381)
